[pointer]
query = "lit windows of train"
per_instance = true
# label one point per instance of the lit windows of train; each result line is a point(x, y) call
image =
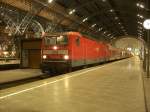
point(78, 41)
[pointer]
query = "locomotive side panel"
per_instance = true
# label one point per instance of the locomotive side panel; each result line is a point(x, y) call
point(91, 51)
point(77, 50)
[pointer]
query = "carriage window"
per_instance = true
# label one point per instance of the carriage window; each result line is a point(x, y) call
point(78, 41)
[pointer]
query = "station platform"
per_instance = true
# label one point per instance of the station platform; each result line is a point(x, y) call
point(113, 87)
point(18, 74)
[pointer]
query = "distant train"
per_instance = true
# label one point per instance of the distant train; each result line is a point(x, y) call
point(68, 50)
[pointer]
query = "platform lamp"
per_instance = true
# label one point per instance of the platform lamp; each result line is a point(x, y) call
point(146, 25)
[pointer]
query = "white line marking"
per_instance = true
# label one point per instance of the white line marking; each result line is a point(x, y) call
point(25, 90)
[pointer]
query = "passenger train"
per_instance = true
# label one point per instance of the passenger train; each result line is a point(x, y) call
point(64, 51)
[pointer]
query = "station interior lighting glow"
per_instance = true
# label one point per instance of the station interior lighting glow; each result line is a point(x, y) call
point(72, 11)
point(146, 24)
point(93, 25)
point(129, 49)
point(85, 19)
point(100, 29)
point(140, 16)
point(111, 10)
point(50, 1)
point(140, 5)
point(104, 0)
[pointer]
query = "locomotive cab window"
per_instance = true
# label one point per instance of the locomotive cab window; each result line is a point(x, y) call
point(62, 40)
point(56, 40)
point(78, 41)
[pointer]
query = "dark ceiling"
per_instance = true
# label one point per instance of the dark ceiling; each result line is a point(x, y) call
point(111, 18)
point(115, 17)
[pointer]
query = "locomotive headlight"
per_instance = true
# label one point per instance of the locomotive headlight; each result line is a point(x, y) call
point(66, 57)
point(44, 56)
point(55, 47)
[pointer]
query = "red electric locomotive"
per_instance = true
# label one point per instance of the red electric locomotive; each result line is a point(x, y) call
point(64, 51)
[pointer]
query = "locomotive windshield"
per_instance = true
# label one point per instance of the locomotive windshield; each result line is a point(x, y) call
point(60, 40)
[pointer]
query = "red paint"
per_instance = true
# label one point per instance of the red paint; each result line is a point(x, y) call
point(81, 47)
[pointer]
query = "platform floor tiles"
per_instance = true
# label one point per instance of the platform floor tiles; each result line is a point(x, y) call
point(114, 87)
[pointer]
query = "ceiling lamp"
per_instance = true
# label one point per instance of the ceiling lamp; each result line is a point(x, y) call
point(111, 10)
point(93, 25)
point(104, 32)
point(84, 19)
point(140, 5)
point(109, 35)
point(72, 11)
point(140, 16)
point(139, 22)
point(100, 29)
point(104, 0)
point(50, 1)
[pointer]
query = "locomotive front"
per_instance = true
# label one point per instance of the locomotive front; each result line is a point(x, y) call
point(55, 53)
